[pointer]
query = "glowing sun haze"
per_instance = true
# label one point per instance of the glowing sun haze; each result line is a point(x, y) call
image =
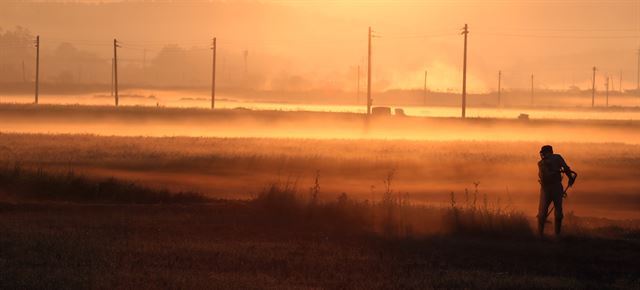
point(319, 44)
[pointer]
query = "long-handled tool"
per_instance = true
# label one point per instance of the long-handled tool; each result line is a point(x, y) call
point(572, 179)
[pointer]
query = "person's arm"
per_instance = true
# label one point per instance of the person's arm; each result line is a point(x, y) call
point(564, 166)
point(567, 171)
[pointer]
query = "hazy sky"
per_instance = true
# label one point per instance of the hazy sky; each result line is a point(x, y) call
point(324, 41)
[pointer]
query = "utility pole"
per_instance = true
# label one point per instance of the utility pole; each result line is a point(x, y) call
point(638, 72)
point(246, 56)
point(531, 89)
point(24, 75)
point(607, 94)
point(358, 87)
point(593, 88)
point(213, 76)
point(144, 66)
point(425, 88)
point(112, 72)
point(620, 86)
point(465, 32)
point(613, 84)
point(499, 88)
point(369, 102)
point(115, 68)
point(37, 67)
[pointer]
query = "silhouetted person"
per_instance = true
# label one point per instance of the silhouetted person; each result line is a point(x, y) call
point(550, 170)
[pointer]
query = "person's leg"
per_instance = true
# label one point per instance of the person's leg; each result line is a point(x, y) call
point(543, 207)
point(557, 203)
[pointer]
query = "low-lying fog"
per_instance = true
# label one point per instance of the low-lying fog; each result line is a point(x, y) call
point(151, 121)
point(623, 107)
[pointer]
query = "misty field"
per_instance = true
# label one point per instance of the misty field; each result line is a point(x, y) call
point(96, 211)
point(615, 124)
point(424, 171)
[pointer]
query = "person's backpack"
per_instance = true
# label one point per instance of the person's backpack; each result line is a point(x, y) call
point(550, 171)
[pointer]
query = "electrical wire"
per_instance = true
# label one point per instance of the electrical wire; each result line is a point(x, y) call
point(557, 36)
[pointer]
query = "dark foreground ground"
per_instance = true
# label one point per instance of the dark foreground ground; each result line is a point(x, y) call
point(229, 245)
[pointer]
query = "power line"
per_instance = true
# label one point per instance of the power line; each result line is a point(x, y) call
point(416, 36)
point(559, 36)
point(564, 29)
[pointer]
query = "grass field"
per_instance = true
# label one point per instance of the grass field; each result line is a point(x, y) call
point(426, 171)
point(278, 241)
point(142, 211)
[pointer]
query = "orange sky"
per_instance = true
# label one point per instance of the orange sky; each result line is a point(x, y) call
point(322, 42)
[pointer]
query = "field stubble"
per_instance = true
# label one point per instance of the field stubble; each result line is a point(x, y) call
point(426, 172)
point(280, 240)
point(396, 223)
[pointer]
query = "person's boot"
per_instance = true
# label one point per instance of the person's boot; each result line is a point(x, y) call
point(558, 226)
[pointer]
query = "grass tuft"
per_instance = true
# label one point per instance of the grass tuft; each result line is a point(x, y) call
point(392, 217)
point(489, 219)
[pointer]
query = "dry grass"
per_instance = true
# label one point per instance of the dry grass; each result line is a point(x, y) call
point(234, 245)
point(27, 184)
point(285, 237)
point(393, 216)
point(426, 171)
point(478, 217)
